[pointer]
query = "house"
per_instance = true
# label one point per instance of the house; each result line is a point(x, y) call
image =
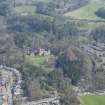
point(24, 14)
point(2, 88)
point(40, 52)
point(27, 50)
point(96, 49)
point(43, 52)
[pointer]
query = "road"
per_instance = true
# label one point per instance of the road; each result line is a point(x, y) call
point(7, 83)
point(11, 89)
point(47, 101)
point(6, 87)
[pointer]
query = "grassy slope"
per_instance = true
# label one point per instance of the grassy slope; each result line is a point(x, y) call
point(38, 60)
point(88, 11)
point(29, 9)
point(25, 8)
point(92, 100)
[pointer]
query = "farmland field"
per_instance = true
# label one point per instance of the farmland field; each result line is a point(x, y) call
point(92, 100)
point(87, 11)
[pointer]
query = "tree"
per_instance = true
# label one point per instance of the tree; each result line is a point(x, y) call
point(4, 7)
point(41, 8)
point(34, 90)
point(101, 12)
point(56, 79)
point(71, 63)
point(70, 97)
point(99, 34)
point(63, 28)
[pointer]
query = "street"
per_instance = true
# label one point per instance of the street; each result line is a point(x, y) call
point(8, 86)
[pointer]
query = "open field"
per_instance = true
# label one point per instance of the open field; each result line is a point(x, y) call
point(92, 100)
point(87, 11)
point(25, 8)
point(29, 10)
point(37, 60)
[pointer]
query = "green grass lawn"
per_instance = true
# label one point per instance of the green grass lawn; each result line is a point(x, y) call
point(25, 8)
point(92, 100)
point(87, 11)
point(37, 60)
point(31, 10)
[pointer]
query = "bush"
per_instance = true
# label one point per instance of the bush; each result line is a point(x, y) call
point(101, 12)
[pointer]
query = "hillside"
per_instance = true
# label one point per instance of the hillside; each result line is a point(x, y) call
point(46, 7)
point(58, 47)
point(88, 11)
